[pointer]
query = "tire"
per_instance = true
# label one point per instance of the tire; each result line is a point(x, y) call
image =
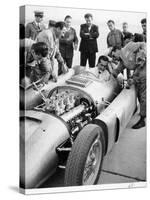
point(89, 140)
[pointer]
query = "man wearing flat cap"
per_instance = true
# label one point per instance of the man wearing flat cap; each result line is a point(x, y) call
point(34, 28)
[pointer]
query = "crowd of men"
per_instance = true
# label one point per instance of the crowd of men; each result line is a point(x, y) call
point(39, 46)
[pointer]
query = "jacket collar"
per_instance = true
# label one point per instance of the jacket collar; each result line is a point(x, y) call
point(35, 24)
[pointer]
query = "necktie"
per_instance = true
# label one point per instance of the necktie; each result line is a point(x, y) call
point(38, 26)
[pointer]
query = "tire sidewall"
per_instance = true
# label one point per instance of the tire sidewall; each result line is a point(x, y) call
point(80, 150)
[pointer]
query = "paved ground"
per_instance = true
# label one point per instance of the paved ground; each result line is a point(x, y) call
point(125, 163)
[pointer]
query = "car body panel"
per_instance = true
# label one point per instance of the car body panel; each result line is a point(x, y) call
point(40, 156)
point(43, 132)
point(121, 108)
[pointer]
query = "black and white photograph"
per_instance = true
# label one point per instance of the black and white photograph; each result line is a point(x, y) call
point(82, 83)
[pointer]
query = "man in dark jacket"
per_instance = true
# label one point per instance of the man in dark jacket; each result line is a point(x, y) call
point(114, 37)
point(143, 23)
point(127, 36)
point(34, 28)
point(68, 42)
point(88, 46)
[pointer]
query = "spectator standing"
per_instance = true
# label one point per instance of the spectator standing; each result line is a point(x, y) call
point(114, 37)
point(127, 36)
point(34, 28)
point(68, 42)
point(88, 46)
point(143, 23)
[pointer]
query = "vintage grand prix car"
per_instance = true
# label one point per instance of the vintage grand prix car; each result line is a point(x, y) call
point(73, 127)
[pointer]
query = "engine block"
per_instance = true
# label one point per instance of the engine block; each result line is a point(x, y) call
point(71, 106)
point(60, 103)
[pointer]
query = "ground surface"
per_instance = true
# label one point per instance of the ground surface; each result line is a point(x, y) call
point(125, 163)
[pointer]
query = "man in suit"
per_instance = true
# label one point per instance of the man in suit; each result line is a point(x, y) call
point(68, 42)
point(34, 28)
point(88, 46)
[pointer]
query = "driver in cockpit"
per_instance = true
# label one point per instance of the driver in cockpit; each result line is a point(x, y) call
point(103, 69)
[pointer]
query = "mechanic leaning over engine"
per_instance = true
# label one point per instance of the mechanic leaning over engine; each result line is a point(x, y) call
point(51, 37)
point(42, 68)
point(133, 57)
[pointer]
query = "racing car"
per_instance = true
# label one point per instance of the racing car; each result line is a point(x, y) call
point(73, 127)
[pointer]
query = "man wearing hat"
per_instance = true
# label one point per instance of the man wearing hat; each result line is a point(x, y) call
point(34, 28)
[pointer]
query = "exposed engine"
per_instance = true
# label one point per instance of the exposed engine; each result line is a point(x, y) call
point(60, 103)
point(70, 105)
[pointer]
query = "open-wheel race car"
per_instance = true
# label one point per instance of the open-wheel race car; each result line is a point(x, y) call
point(73, 127)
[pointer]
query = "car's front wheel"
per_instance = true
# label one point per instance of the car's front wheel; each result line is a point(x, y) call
point(85, 159)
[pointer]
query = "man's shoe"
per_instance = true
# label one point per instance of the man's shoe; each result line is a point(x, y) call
point(139, 124)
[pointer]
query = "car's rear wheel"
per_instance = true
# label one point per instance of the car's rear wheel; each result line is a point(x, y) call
point(85, 159)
